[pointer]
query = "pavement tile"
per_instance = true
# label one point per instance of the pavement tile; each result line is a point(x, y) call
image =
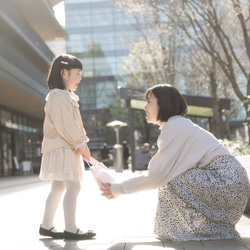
point(174, 248)
point(137, 239)
point(246, 242)
point(75, 245)
point(125, 223)
point(68, 246)
point(97, 240)
point(173, 245)
point(232, 244)
point(195, 248)
point(182, 245)
point(118, 246)
point(143, 246)
point(218, 248)
point(191, 244)
point(49, 243)
point(94, 245)
point(138, 243)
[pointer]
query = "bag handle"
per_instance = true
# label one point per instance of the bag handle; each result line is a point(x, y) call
point(91, 161)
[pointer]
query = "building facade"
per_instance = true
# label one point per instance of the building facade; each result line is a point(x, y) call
point(25, 27)
point(100, 35)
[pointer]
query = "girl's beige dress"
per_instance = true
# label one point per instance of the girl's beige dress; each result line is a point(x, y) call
point(63, 135)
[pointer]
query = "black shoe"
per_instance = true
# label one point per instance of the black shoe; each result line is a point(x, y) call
point(76, 236)
point(46, 232)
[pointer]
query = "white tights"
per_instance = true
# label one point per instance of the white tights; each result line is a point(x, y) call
point(69, 204)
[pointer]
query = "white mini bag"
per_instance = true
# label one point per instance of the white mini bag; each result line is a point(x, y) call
point(100, 172)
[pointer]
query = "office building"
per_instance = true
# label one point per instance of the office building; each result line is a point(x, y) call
point(100, 35)
point(25, 27)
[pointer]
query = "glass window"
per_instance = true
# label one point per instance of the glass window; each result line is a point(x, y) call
point(102, 29)
point(100, 60)
point(107, 47)
point(88, 61)
point(88, 68)
point(88, 73)
point(124, 18)
point(103, 19)
point(5, 118)
point(19, 144)
point(102, 8)
point(76, 21)
point(107, 2)
point(76, 1)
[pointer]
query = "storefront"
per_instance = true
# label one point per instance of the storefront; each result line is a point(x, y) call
point(20, 139)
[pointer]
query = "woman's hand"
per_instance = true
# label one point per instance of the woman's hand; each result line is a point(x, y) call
point(106, 190)
point(84, 151)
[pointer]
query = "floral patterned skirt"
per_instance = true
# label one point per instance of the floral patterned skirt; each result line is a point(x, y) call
point(203, 203)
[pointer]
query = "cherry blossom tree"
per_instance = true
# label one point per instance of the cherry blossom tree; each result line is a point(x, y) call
point(216, 32)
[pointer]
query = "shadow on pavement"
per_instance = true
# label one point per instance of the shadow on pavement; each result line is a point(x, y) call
point(137, 245)
point(60, 244)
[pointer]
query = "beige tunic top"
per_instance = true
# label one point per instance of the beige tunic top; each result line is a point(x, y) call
point(62, 124)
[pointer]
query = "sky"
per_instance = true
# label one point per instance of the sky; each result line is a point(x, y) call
point(59, 13)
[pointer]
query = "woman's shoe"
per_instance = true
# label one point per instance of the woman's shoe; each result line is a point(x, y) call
point(77, 236)
point(50, 233)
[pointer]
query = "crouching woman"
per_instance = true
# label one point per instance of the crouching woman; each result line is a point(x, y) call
point(202, 188)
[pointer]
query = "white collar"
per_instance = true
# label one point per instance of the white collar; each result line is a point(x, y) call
point(56, 91)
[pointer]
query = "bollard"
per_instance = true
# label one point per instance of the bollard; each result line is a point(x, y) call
point(118, 158)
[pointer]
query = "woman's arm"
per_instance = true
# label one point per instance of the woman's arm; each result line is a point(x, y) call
point(177, 152)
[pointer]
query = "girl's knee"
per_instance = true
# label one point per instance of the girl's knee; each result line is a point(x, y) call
point(58, 186)
point(73, 187)
point(77, 187)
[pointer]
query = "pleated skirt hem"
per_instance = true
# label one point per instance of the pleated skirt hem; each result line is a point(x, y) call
point(63, 164)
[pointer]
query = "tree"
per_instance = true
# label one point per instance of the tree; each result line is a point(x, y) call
point(232, 50)
point(217, 28)
point(114, 111)
point(164, 54)
point(145, 64)
point(201, 78)
point(156, 52)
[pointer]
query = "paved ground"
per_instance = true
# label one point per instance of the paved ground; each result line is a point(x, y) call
point(124, 223)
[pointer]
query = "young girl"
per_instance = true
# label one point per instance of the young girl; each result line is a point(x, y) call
point(203, 189)
point(64, 145)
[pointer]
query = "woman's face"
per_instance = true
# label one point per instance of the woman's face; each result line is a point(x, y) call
point(152, 109)
point(71, 78)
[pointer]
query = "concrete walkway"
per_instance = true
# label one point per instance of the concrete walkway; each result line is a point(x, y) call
point(123, 223)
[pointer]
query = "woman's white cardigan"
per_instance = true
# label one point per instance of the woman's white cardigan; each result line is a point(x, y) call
point(182, 145)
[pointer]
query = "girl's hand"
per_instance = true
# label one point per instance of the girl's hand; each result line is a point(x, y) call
point(84, 151)
point(106, 191)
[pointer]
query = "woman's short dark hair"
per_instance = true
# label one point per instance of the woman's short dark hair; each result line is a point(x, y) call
point(64, 61)
point(170, 101)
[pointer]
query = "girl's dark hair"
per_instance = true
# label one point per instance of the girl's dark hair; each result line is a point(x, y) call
point(170, 101)
point(64, 61)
